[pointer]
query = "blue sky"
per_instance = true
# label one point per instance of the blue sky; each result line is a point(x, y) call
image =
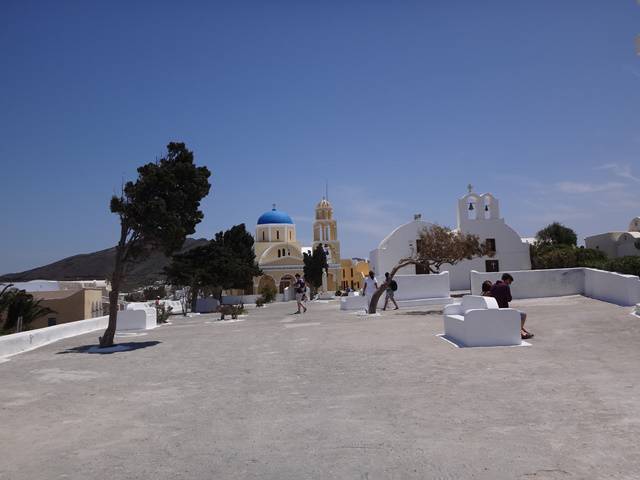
point(398, 104)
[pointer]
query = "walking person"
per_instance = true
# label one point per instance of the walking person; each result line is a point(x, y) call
point(370, 287)
point(301, 291)
point(392, 286)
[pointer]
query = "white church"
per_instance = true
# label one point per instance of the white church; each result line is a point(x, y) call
point(478, 215)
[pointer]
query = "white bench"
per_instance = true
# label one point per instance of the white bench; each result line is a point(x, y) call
point(478, 322)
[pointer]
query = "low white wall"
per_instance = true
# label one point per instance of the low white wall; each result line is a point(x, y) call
point(207, 305)
point(138, 319)
point(612, 287)
point(236, 299)
point(536, 283)
point(417, 287)
point(137, 305)
point(24, 341)
point(607, 286)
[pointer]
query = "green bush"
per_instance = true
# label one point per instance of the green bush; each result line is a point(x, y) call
point(268, 294)
point(565, 256)
point(627, 265)
point(162, 313)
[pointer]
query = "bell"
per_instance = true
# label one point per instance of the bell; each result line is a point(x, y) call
point(470, 206)
point(486, 208)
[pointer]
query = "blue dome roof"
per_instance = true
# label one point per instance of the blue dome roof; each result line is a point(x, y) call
point(274, 216)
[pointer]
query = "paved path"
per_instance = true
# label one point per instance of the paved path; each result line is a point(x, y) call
point(331, 395)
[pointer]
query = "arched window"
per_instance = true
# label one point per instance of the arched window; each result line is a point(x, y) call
point(279, 253)
point(277, 234)
point(263, 235)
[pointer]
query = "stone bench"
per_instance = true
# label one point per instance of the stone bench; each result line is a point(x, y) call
point(478, 322)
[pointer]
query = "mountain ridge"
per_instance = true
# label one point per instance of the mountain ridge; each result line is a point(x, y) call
point(99, 265)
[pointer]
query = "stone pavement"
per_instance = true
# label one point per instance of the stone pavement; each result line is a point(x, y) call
point(331, 395)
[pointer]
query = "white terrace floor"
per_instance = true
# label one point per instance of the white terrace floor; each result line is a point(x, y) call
point(332, 395)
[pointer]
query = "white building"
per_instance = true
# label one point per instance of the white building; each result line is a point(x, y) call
point(617, 244)
point(478, 215)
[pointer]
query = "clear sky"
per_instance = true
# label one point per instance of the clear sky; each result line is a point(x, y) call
point(398, 104)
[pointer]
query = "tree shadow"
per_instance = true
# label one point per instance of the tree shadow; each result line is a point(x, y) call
point(420, 312)
point(116, 348)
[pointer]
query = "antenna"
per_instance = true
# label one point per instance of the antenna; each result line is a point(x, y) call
point(326, 189)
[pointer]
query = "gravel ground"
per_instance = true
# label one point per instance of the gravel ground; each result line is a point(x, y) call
point(331, 395)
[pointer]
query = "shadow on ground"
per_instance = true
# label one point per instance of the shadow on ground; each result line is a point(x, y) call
point(421, 312)
point(116, 348)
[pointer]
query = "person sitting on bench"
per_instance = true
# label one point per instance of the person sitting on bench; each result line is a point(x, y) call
point(502, 293)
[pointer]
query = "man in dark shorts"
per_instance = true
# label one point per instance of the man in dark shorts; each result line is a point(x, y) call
point(301, 290)
point(502, 293)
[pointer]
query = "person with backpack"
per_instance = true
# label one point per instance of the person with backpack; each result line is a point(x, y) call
point(392, 286)
point(301, 290)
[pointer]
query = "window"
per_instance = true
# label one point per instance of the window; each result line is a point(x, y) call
point(263, 235)
point(277, 234)
point(492, 266)
point(491, 244)
point(279, 253)
point(290, 235)
point(352, 272)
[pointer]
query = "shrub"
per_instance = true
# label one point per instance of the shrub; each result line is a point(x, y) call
point(268, 293)
point(565, 256)
point(134, 297)
point(627, 265)
point(162, 313)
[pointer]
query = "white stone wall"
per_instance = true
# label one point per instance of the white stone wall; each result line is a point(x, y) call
point(24, 341)
point(606, 286)
point(415, 287)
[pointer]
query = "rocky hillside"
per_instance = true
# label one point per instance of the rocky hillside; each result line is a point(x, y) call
point(99, 265)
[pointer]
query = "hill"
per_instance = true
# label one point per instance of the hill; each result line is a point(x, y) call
point(99, 265)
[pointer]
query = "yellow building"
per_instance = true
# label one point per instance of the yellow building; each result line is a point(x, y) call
point(354, 270)
point(278, 252)
point(325, 233)
point(69, 306)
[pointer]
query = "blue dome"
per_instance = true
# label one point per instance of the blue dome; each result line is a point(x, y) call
point(274, 216)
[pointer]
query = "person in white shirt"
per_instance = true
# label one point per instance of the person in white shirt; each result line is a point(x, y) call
point(370, 287)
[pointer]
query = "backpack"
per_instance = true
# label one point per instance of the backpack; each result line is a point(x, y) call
point(393, 285)
point(300, 286)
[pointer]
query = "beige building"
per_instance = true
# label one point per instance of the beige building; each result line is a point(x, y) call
point(354, 270)
point(279, 254)
point(617, 244)
point(325, 233)
point(69, 306)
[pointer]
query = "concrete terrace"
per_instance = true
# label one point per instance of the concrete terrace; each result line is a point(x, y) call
point(331, 395)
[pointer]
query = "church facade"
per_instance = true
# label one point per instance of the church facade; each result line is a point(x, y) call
point(478, 215)
point(280, 255)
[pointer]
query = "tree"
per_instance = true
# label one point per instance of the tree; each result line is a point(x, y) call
point(156, 212)
point(227, 261)
point(438, 246)
point(314, 265)
point(239, 243)
point(190, 269)
point(557, 234)
point(19, 303)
